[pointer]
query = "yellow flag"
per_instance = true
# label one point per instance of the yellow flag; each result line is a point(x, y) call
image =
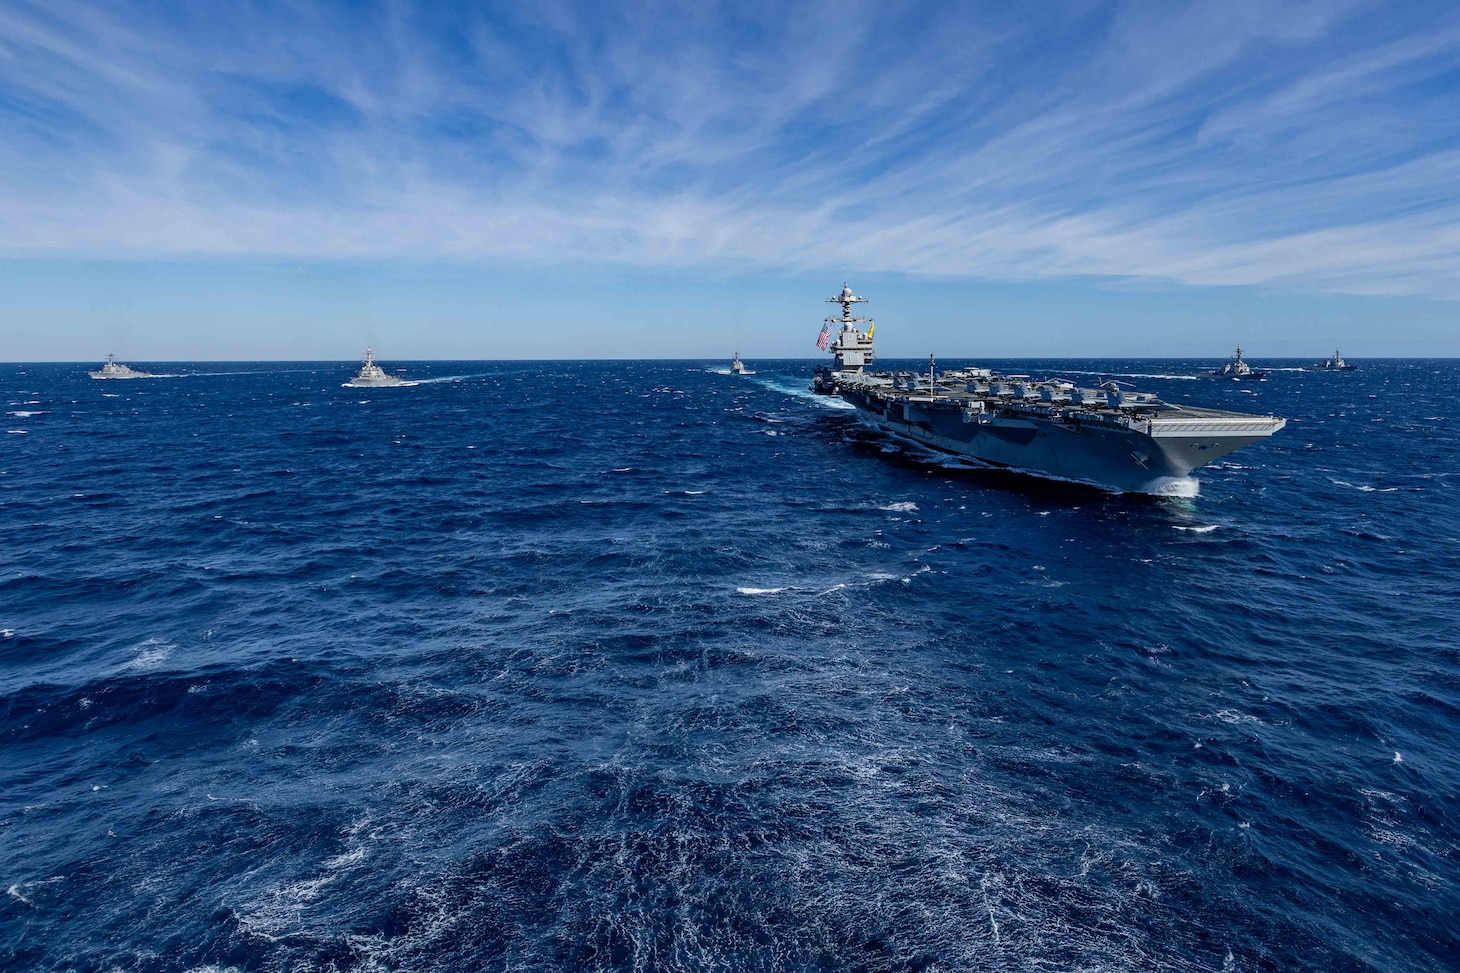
point(870, 328)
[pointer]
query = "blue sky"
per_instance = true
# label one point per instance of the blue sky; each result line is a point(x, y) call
point(291, 180)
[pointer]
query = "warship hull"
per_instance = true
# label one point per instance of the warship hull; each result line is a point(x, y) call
point(375, 383)
point(1136, 455)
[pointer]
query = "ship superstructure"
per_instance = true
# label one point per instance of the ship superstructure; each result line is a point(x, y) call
point(115, 369)
point(1109, 436)
point(1334, 364)
point(372, 376)
point(737, 367)
point(851, 347)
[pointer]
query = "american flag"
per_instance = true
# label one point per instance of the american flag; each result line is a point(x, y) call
point(825, 338)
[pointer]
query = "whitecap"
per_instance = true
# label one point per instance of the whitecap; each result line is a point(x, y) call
point(1207, 529)
point(340, 861)
point(760, 591)
point(905, 507)
point(154, 652)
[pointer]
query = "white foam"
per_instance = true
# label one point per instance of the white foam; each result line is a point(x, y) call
point(904, 507)
point(760, 591)
point(25, 415)
point(1197, 530)
point(1363, 487)
point(443, 378)
point(14, 892)
point(18, 432)
point(1172, 486)
point(341, 861)
point(154, 652)
point(801, 392)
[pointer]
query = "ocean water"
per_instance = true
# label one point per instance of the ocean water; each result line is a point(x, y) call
point(639, 666)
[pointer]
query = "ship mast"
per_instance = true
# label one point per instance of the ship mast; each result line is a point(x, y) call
point(852, 348)
point(846, 299)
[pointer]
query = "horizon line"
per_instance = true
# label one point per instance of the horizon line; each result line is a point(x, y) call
point(703, 358)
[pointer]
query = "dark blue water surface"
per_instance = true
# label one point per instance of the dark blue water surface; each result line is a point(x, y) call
point(639, 666)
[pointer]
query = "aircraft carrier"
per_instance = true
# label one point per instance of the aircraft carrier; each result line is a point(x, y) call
point(1108, 437)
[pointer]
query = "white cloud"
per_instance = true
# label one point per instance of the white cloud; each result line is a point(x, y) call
point(1225, 144)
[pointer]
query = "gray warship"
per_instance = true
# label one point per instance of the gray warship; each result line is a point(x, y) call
point(737, 367)
point(1107, 437)
point(1237, 370)
point(372, 376)
point(1334, 364)
point(115, 369)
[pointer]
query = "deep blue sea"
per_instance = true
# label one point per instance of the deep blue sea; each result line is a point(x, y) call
point(639, 666)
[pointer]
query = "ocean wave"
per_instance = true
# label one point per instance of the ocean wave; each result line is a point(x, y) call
point(628, 687)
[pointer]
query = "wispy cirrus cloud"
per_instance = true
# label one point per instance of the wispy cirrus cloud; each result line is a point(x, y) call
point(1314, 144)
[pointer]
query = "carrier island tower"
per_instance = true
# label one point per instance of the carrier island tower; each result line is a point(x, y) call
point(1108, 437)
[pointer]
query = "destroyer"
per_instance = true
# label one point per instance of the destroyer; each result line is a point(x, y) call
point(1237, 370)
point(1334, 364)
point(1108, 437)
point(737, 367)
point(115, 369)
point(372, 376)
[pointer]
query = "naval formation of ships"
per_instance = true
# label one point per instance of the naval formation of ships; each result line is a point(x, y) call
point(1108, 436)
point(370, 374)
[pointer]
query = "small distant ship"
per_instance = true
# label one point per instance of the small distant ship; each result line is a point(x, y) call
point(1334, 364)
point(115, 369)
point(1237, 370)
point(372, 376)
point(1108, 437)
point(737, 367)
